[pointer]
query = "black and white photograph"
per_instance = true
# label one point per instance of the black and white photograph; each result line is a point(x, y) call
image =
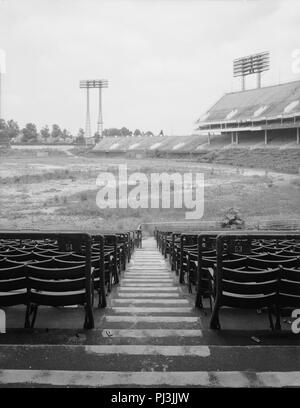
point(150, 197)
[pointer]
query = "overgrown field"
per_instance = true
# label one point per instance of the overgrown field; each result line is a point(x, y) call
point(59, 192)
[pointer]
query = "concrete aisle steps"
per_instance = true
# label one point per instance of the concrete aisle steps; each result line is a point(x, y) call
point(150, 335)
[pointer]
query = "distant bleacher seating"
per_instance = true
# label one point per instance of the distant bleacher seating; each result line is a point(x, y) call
point(280, 154)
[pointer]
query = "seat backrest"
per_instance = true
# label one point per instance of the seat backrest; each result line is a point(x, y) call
point(24, 257)
point(57, 286)
point(7, 263)
point(13, 252)
point(13, 284)
point(273, 263)
point(237, 263)
point(289, 287)
point(248, 288)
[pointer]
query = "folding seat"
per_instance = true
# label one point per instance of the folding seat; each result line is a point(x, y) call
point(237, 263)
point(56, 253)
point(290, 252)
point(165, 242)
point(264, 263)
point(27, 277)
point(209, 254)
point(123, 245)
point(206, 244)
point(130, 243)
point(188, 244)
point(174, 247)
point(288, 292)
point(8, 243)
point(244, 289)
point(107, 264)
point(275, 249)
point(40, 257)
point(260, 283)
point(30, 248)
point(175, 253)
point(21, 257)
point(167, 245)
point(13, 286)
point(259, 250)
point(279, 256)
point(51, 286)
point(12, 252)
point(112, 255)
point(70, 257)
point(6, 263)
point(208, 260)
point(47, 246)
point(207, 269)
point(112, 267)
point(186, 255)
point(286, 243)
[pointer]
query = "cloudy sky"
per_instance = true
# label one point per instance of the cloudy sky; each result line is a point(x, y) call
point(167, 61)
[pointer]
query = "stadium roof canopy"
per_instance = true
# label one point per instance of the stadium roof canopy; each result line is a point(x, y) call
point(271, 107)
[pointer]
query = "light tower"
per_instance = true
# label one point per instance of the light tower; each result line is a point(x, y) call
point(86, 85)
point(103, 83)
point(0, 93)
point(2, 71)
point(89, 84)
point(253, 64)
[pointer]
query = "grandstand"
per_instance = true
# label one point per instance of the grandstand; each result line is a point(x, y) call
point(254, 128)
point(256, 118)
point(143, 144)
point(272, 112)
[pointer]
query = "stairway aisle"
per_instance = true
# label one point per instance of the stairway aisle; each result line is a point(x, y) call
point(150, 335)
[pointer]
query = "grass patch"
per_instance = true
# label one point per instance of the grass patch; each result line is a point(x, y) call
point(255, 195)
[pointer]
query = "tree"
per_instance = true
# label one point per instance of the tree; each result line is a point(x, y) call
point(124, 131)
point(149, 133)
point(12, 128)
point(29, 133)
point(111, 132)
point(65, 134)
point(117, 132)
point(80, 137)
point(4, 140)
point(2, 124)
point(97, 137)
point(45, 133)
point(137, 132)
point(56, 132)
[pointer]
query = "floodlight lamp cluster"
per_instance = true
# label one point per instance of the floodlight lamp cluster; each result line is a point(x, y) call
point(94, 83)
point(252, 64)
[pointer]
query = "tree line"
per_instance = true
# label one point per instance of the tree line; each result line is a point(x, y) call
point(126, 132)
point(10, 132)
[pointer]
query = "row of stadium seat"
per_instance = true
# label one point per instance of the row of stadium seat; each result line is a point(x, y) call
point(248, 270)
point(61, 269)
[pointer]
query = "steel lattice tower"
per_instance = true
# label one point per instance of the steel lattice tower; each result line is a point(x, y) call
point(100, 119)
point(88, 118)
point(88, 84)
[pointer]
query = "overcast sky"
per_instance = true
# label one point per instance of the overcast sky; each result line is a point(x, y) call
point(167, 61)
